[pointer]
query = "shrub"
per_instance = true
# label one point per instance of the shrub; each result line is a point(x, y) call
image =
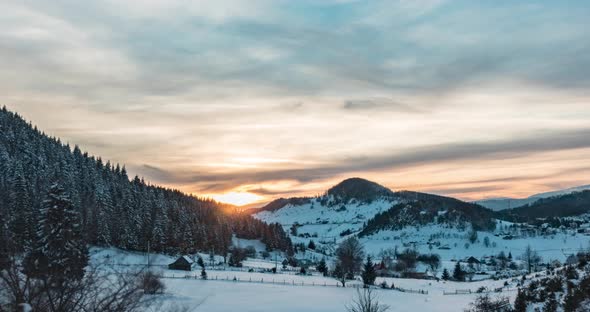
point(151, 284)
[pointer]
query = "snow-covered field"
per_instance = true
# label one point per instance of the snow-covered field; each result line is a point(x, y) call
point(217, 296)
point(255, 291)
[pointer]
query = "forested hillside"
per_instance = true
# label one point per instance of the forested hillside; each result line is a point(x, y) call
point(559, 206)
point(115, 210)
point(421, 209)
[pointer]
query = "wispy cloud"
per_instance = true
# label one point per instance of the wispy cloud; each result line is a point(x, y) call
point(336, 87)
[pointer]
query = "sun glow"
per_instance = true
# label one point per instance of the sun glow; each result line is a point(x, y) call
point(237, 198)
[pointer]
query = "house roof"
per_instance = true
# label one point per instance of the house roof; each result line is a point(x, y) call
point(472, 259)
point(188, 259)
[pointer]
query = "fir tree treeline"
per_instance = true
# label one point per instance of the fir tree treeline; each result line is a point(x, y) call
point(115, 210)
point(422, 209)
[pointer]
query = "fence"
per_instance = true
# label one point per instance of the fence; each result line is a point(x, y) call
point(274, 281)
point(412, 291)
point(287, 282)
point(469, 291)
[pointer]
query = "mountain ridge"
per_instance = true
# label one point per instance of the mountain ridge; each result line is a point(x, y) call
point(502, 203)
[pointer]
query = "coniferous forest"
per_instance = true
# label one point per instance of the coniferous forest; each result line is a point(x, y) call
point(114, 209)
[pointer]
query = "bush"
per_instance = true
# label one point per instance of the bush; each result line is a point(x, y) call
point(346, 232)
point(151, 284)
point(486, 303)
point(571, 273)
point(250, 252)
point(554, 284)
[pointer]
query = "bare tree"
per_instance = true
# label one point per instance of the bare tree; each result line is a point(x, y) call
point(98, 291)
point(484, 303)
point(531, 258)
point(366, 301)
point(350, 255)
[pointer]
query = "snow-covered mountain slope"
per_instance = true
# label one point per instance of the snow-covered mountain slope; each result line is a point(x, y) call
point(507, 203)
point(324, 218)
point(360, 207)
point(346, 206)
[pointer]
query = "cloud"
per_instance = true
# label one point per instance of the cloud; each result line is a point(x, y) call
point(336, 87)
point(443, 153)
point(379, 104)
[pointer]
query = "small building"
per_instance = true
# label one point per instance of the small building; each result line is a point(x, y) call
point(183, 263)
point(472, 260)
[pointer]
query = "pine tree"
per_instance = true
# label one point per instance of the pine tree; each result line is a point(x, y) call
point(459, 273)
point(369, 275)
point(200, 262)
point(311, 245)
point(22, 224)
point(445, 275)
point(322, 267)
point(4, 244)
point(60, 252)
point(520, 304)
point(203, 273)
point(551, 304)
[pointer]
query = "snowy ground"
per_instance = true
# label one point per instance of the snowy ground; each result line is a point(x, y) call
point(324, 225)
point(555, 247)
point(217, 296)
point(255, 291)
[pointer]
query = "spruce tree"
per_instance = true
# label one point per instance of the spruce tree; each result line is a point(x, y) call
point(322, 267)
point(4, 244)
point(369, 275)
point(200, 262)
point(22, 224)
point(551, 304)
point(311, 245)
point(203, 273)
point(445, 275)
point(60, 252)
point(520, 304)
point(458, 273)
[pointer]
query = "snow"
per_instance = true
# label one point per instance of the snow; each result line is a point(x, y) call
point(256, 291)
point(555, 247)
point(213, 297)
point(257, 244)
point(325, 222)
point(324, 225)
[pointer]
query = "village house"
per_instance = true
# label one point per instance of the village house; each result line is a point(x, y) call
point(183, 263)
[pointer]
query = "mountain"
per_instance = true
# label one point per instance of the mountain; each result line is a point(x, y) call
point(114, 210)
point(357, 190)
point(567, 205)
point(507, 203)
point(360, 206)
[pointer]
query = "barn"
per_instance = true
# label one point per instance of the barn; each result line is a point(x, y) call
point(183, 263)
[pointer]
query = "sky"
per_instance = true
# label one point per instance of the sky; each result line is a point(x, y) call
point(246, 101)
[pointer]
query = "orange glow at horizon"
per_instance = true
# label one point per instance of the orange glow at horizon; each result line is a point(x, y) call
point(237, 198)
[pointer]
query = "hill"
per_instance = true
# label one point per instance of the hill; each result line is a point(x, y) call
point(427, 209)
point(115, 211)
point(567, 205)
point(358, 206)
point(508, 203)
